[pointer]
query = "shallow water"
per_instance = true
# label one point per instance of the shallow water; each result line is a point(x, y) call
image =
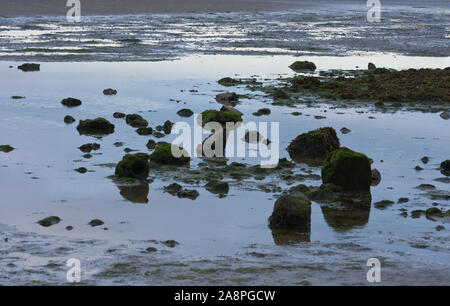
point(228, 240)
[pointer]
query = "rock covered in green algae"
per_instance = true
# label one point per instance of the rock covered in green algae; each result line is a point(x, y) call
point(217, 187)
point(185, 112)
point(133, 166)
point(96, 222)
point(6, 148)
point(314, 145)
point(302, 65)
point(221, 117)
point(49, 221)
point(98, 126)
point(71, 102)
point(291, 213)
point(445, 167)
point(227, 81)
point(162, 155)
point(29, 67)
point(230, 108)
point(347, 169)
point(279, 93)
point(136, 121)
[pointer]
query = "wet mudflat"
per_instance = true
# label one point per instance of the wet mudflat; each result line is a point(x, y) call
point(213, 239)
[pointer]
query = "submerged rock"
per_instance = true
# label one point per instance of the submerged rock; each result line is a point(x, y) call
point(162, 155)
point(227, 81)
point(314, 145)
point(6, 148)
point(262, 111)
point(88, 147)
point(96, 222)
point(173, 188)
point(188, 194)
point(98, 126)
point(291, 213)
point(29, 67)
point(133, 166)
point(109, 92)
point(302, 65)
point(119, 115)
point(71, 102)
point(228, 98)
point(279, 93)
point(217, 187)
point(69, 119)
point(136, 121)
point(348, 169)
point(49, 221)
point(185, 112)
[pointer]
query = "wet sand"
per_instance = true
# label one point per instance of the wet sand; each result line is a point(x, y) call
point(116, 7)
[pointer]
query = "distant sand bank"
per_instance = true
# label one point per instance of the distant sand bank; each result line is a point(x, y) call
point(114, 7)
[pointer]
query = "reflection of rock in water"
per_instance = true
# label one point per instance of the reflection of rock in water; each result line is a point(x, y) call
point(287, 237)
point(135, 193)
point(352, 210)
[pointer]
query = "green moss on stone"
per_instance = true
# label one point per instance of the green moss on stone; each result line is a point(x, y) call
point(162, 155)
point(133, 166)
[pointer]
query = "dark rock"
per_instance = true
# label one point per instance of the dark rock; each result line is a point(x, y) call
point(98, 126)
point(49, 221)
point(144, 131)
point(17, 97)
point(402, 200)
point(227, 81)
point(445, 167)
point(383, 204)
point(109, 92)
point(96, 222)
point(302, 65)
point(425, 160)
point(348, 169)
point(376, 177)
point(69, 119)
point(228, 98)
point(170, 243)
point(253, 137)
point(136, 121)
point(291, 213)
point(229, 108)
point(29, 67)
point(221, 117)
point(119, 115)
point(345, 130)
point(445, 115)
point(262, 111)
point(173, 188)
point(151, 144)
point(6, 148)
point(371, 66)
point(133, 166)
point(162, 155)
point(426, 187)
point(314, 145)
point(185, 113)
point(135, 193)
point(279, 93)
point(151, 250)
point(217, 187)
point(167, 127)
point(81, 170)
point(88, 147)
point(69, 227)
point(71, 102)
point(188, 193)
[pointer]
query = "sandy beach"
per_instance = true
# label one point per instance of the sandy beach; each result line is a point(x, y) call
point(108, 7)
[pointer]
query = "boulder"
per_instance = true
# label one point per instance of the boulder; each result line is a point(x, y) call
point(71, 102)
point(29, 67)
point(162, 155)
point(133, 166)
point(49, 221)
point(221, 117)
point(302, 65)
point(314, 145)
point(98, 126)
point(136, 121)
point(291, 213)
point(347, 169)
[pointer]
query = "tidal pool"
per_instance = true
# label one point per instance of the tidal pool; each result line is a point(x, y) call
point(221, 240)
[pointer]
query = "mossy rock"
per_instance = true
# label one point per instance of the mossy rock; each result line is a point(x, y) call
point(151, 144)
point(162, 155)
point(227, 81)
point(221, 117)
point(314, 145)
point(71, 102)
point(133, 166)
point(299, 66)
point(348, 169)
point(136, 121)
point(217, 187)
point(185, 112)
point(6, 148)
point(98, 126)
point(279, 93)
point(291, 213)
point(49, 221)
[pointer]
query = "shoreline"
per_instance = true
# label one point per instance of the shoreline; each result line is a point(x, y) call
point(30, 8)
